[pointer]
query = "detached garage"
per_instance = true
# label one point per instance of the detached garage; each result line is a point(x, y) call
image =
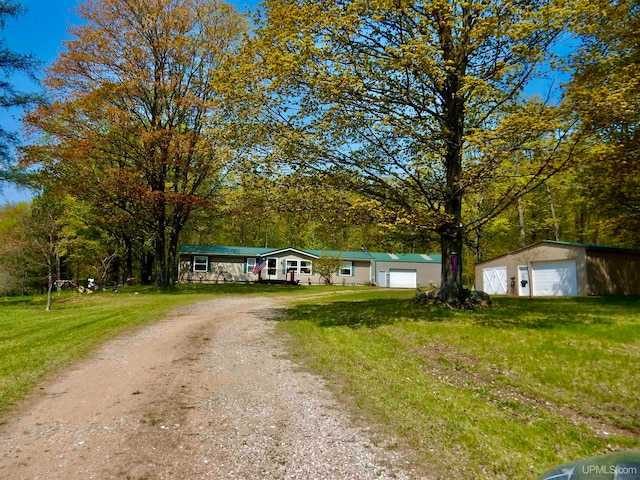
point(550, 268)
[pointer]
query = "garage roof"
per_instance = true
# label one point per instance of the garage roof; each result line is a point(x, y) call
point(588, 246)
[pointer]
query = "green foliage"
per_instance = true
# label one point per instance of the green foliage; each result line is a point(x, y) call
point(138, 126)
point(326, 266)
point(14, 265)
point(604, 94)
point(416, 106)
point(295, 210)
point(498, 393)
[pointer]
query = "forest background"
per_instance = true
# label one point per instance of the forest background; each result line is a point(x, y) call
point(321, 124)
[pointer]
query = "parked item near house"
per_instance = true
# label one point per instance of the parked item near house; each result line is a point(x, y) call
point(552, 268)
point(217, 264)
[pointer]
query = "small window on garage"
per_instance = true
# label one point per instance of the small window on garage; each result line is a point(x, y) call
point(200, 264)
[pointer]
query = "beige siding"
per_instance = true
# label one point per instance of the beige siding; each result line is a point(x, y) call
point(613, 273)
point(223, 269)
point(361, 274)
point(536, 254)
point(425, 272)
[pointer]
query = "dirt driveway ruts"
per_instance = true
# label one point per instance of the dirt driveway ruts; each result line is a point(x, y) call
point(207, 393)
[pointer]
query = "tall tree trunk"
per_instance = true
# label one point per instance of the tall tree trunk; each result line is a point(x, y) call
point(581, 222)
point(146, 268)
point(172, 255)
point(523, 233)
point(556, 226)
point(49, 287)
point(160, 240)
point(477, 245)
point(451, 230)
point(160, 253)
point(451, 245)
point(128, 256)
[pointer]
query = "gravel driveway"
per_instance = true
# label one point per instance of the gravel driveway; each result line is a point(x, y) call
point(206, 393)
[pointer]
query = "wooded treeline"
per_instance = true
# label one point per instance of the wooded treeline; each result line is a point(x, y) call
point(447, 127)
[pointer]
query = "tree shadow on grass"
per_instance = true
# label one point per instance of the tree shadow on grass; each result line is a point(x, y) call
point(366, 313)
point(540, 313)
point(546, 313)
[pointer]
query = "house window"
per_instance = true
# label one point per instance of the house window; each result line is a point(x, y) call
point(298, 266)
point(251, 263)
point(346, 270)
point(200, 264)
point(305, 267)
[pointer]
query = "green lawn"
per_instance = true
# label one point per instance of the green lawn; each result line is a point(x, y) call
point(498, 393)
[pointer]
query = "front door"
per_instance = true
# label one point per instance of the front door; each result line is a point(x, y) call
point(272, 267)
point(382, 278)
point(524, 284)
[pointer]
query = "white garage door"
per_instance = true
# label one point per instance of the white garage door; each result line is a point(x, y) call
point(555, 278)
point(403, 279)
point(494, 280)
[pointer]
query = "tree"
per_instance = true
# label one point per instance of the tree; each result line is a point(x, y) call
point(416, 105)
point(326, 266)
point(46, 239)
point(12, 63)
point(604, 94)
point(14, 272)
point(139, 126)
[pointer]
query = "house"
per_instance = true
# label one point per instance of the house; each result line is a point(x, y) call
point(552, 268)
point(213, 264)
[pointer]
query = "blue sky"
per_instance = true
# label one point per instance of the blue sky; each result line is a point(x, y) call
point(40, 31)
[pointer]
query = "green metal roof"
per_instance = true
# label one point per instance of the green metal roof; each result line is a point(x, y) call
point(407, 257)
point(587, 246)
point(593, 246)
point(346, 255)
point(220, 250)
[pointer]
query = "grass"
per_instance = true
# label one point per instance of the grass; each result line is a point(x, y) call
point(498, 393)
point(504, 392)
point(35, 343)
